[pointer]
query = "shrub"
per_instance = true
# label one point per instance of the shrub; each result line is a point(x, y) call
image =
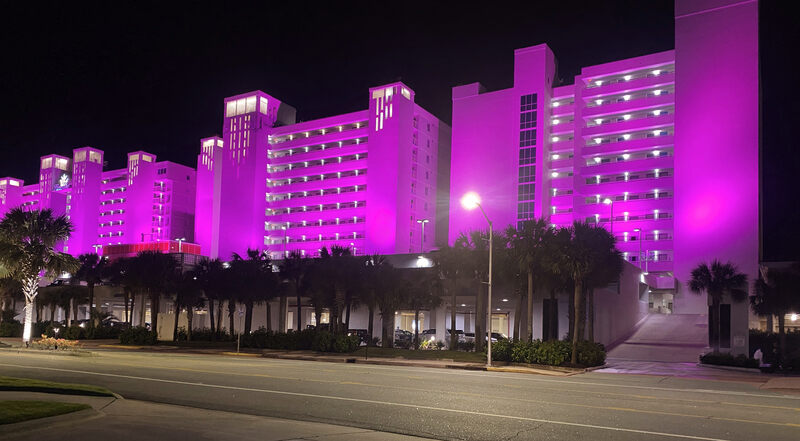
point(591, 354)
point(323, 342)
point(139, 335)
point(104, 332)
point(724, 359)
point(553, 352)
point(501, 351)
point(74, 332)
point(467, 346)
point(11, 328)
point(346, 343)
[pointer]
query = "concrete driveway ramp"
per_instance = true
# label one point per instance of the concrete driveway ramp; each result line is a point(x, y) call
point(675, 338)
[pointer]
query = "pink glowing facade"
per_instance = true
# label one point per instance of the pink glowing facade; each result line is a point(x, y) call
point(360, 180)
point(661, 149)
point(148, 201)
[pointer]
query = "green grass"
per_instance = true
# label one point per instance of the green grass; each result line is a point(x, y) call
point(16, 411)
point(30, 385)
point(469, 357)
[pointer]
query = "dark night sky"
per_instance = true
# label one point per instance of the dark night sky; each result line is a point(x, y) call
point(128, 76)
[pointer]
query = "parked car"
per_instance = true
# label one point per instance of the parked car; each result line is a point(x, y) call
point(363, 336)
point(402, 339)
point(459, 336)
point(469, 337)
point(428, 334)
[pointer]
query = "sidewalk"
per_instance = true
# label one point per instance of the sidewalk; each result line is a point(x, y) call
point(124, 420)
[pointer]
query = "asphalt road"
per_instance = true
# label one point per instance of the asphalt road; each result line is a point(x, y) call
point(436, 403)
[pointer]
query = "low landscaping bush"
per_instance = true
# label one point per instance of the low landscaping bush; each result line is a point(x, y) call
point(720, 359)
point(138, 335)
point(55, 344)
point(308, 339)
point(552, 352)
point(11, 328)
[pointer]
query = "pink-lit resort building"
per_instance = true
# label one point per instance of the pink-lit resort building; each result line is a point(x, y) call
point(369, 180)
point(660, 149)
point(148, 201)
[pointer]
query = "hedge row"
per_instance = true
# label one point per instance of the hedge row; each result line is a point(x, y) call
point(309, 339)
point(551, 353)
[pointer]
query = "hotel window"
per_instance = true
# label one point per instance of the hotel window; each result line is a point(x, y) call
point(527, 138)
point(525, 210)
point(527, 120)
point(527, 102)
point(527, 156)
point(527, 173)
point(526, 192)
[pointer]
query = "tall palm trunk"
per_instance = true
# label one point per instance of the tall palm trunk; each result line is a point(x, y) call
point(126, 293)
point(590, 315)
point(219, 318)
point(347, 317)
point(189, 317)
point(175, 324)
point(453, 333)
point(582, 316)
point(480, 319)
point(529, 315)
point(317, 315)
point(29, 289)
point(714, 328)
point(416, 329)
point(90, 287)
point(154, 306)
point(231, 311)
point(299, 320)
point(518, 319)
point(248, 316)
point(211, 318)
point(284, 310)
point(141, 310)
point(269, 315)
point(387, 340)
point(577, 314)
point(782, 337)
point(552, 311)
point(68, 313)
point(370, 324)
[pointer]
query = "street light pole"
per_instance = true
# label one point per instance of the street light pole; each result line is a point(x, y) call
point(470, 201)
point(285, 239)
point(422, 222)
point(639, 239)
point(180, 243)
point(610, 202)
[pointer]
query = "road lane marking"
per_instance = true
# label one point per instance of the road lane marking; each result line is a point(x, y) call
point(385, 403)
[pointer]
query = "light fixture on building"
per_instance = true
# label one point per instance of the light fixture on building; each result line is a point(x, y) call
point(626, 97)
point(657, 92)
point(626, 156)
point(554, 174)
point(627, 77)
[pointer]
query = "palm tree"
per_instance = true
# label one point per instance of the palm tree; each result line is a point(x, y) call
point(28, 241)
point(536, 236)
point(450, 262)
point(577, 254)
point(10, 289)
point(91, 271)
point(211, 275)
point(606, 270)
point(373, 269)
point(717, 280)
point(155, 274)
point(189, 295)
point(254, 282)
point(423, 294)
point(474, 248)
point(777, 295)
point(391, 295)
point(294, 269)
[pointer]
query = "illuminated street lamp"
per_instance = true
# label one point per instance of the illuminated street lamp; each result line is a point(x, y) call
point(470, 201)
point(180, 243)
point(610, 203)
point(422, 223)
point(639, 238)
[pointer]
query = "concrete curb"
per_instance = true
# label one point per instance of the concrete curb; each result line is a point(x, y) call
point(241, 354)
point(51, 422)
point(731, 368)
point(78, 353)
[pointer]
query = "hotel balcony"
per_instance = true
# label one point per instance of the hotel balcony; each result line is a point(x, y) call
point(652, 143)
point(563, 109)
point(312, 216)
point(316, 199)
point(633, 165)
point(316, 184)
point(562, 127)
point(316, 139)
point(633, 186)
point(665, 79)
point(329, 167)
point(631, 125)
point(632, 105)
